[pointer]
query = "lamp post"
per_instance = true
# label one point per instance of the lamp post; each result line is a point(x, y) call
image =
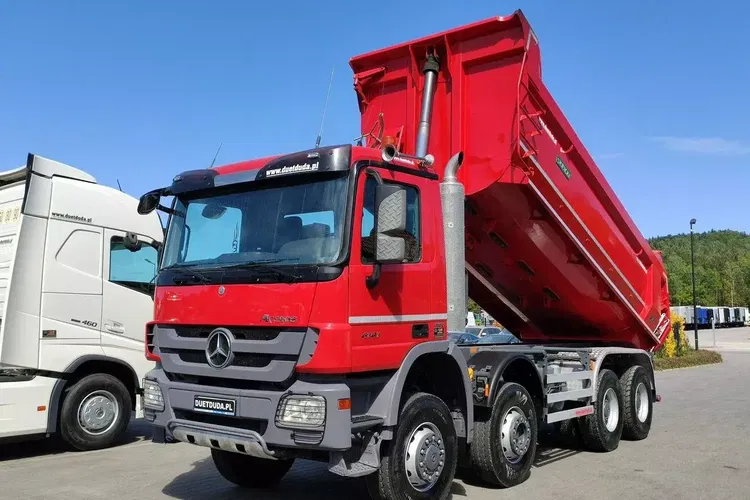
point(692, 265)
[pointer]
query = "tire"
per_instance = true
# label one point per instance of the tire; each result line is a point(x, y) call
point(504, 445)
point(250, 472)
point(596, 435)
point(637, 403)
point(425, 422)
point(108, 404)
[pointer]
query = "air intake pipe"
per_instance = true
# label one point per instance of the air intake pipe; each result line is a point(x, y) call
point(430, 71)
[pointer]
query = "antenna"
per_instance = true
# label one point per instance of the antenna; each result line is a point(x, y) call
point(325, 107)
point(216, 155)
point(118, 185)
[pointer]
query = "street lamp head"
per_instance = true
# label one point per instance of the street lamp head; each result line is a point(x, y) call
point(692, 221)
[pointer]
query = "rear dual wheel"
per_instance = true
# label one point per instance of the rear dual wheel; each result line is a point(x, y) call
point(601, 431)
point(637, 403)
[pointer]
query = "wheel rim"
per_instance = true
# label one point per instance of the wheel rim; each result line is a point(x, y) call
point(98, 412)
point(515, 435)
point(425, 456)
point(641, 402)
point(610, 410)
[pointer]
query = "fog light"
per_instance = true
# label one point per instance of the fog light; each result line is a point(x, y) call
point(152, 396)
point(301, 412)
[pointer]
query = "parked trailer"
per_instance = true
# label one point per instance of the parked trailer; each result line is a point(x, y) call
point(304, 313)
point(76, 266)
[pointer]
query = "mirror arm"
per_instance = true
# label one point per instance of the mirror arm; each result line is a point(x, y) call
point(373, 280)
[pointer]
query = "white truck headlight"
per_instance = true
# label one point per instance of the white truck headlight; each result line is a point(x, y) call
point(301, 411)
point(152, 396)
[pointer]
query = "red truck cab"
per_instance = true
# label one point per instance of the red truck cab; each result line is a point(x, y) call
point(294, 248)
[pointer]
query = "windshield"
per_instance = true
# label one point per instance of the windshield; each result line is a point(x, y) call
point(300, 223)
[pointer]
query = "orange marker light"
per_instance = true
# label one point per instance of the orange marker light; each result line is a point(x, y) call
point(345, 404)
point(41, 408)
point(486, 390)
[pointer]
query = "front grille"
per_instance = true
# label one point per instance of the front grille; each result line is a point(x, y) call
point(239, 332)
point(262, 354)
point(240, 359)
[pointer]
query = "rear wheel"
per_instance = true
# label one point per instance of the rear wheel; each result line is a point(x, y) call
point(250, 472)
point(601, 431)
point(505, 442)
point(419, 463)
point(636, 402)
point(95, 412)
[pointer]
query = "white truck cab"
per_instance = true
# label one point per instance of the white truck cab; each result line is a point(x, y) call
point(77, 267)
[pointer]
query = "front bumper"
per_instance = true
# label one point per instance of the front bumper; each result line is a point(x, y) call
point(254, 429)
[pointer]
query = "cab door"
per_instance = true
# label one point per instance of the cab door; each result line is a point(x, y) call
point(395, 314)
point(129, 276)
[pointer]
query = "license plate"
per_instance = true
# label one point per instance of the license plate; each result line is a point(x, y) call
point(216, 406)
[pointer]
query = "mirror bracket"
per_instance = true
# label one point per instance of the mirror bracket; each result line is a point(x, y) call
point(373, 280)
point(131, 242)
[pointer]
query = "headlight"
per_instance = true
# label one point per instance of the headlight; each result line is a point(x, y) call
point(152, 396)
point(301, 412)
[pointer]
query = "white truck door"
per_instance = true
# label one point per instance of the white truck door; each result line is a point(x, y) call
point(128, 296)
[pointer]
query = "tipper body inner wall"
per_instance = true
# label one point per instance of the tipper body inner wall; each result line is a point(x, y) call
point(550, 250)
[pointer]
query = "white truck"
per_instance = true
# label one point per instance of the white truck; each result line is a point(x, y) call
point(77, 266)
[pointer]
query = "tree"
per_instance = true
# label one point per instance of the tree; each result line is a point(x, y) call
point(722, 267)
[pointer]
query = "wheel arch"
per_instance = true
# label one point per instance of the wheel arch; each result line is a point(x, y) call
point(511, 367)
point(82, 367)
point(620, 360)
point(446, 369)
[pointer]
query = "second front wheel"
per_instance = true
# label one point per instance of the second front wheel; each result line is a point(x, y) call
point(505, 440)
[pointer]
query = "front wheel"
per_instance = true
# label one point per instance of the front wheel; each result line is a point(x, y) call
point(95, 412)
point(505, 441)
point(419, 463)
point(250, 472)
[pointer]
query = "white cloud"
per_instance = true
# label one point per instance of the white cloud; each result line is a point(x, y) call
point(611, 156)
point(704, 145)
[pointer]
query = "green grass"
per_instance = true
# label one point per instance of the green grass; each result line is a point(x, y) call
point(690, 358)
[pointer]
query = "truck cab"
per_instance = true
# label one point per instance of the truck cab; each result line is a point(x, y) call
point(77, 269)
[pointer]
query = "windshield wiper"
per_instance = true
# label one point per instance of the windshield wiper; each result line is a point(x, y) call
point(187, 271)
point(263, 265)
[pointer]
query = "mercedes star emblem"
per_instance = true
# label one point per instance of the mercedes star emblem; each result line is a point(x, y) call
point(219, 348)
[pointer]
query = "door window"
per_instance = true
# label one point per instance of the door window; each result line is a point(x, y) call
point(412, 233)
point(133, 269)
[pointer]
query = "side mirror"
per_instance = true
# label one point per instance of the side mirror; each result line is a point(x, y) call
point(149, 202)
point(131, 242)
point(390, 219)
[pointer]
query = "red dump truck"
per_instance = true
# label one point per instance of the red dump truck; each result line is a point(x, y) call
point(304, 301)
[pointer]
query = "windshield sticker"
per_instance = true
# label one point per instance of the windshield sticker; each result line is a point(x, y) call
point(293, 169)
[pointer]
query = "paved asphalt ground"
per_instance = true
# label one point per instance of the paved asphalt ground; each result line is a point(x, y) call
point(699, 448)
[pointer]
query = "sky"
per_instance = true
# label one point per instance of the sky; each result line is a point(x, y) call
point(139, 91)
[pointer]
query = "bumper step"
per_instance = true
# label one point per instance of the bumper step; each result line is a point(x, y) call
point(363, 422)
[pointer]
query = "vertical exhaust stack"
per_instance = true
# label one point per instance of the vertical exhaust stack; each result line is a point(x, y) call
point(452, 199)
point(430, 71)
